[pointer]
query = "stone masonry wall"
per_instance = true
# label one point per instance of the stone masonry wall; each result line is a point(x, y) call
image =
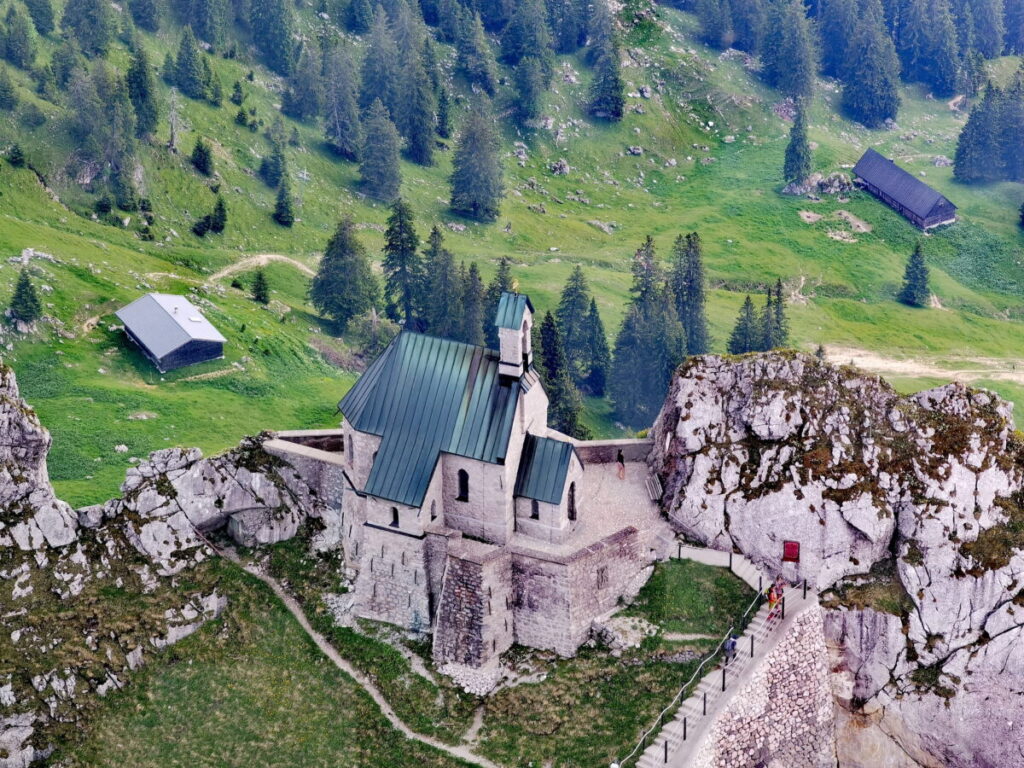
point(598, 577)
point(474, 617)
point(541, 603)
point(392, 585)
point(784, 716)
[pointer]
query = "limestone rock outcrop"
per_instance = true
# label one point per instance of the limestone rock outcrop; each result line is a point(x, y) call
point(909, 518)
point(121, 561)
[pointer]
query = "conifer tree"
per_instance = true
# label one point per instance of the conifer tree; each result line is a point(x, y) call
point(600, 357)
point(1014, 19)
point(501, 283)
point(219, 217)
point(573, 308)
point(565, 406)
point(41, 12)
point(529, 82)
point(871, 70)
point(8, 94)
point(607, 92)
point(472, 326)
point(403, 266)
point(837, 23)
point(750, 20)
point(359, 16)
point(284, 213)
point(989, 26)
point(977, 155)
point(568, 22)
point(688, 289)
point(16, 156)
point(442, 305)
point(942, 62)
point(211, 19)
point(145, 14)
point(237, 94)
point(915, 291)
point(781, 320)
point(528, 35)
point(19, 47)
point(380, 73)
point(788, 58)
point(797, 164)
point(189, 75)
point(345, 285)
point(715, 18)
point(341, 113)
point(91, 24)
point(1020, 219)
point(378, 168)
point(971, 76)
point(202, 157)
point(418, 114)
point(142, 92)
point(303, 94)
point(746, 334)
point(474, 59)
point(25, 304)
point(260, 288)
point(443, 128)
point(767, 323)
point(274, 166)
point(272, 24)
point(476, 182)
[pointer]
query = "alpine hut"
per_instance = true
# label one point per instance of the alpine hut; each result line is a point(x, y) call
point(903, 192)
point(171, 331)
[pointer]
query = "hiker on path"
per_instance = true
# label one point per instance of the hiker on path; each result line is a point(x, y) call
point(730, 649)
point(620, 460)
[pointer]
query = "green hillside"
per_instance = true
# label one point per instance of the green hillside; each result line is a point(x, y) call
point(712, 148)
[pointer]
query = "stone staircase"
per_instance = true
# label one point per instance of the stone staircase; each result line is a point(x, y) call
point(677, 741)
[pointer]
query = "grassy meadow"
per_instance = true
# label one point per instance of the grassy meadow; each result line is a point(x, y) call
point(712, 152)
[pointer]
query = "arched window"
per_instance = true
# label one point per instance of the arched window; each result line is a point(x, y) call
point(463, 486)
point(534, 509)
point(351, 451)
point(572, 501)
point(433, 510)
point(394, 517)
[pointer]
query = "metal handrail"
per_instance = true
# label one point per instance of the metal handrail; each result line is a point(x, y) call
point(676, 700)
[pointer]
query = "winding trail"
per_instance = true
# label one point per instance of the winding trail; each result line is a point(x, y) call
point(259, 260)
point(975, 368)
point(459, 752)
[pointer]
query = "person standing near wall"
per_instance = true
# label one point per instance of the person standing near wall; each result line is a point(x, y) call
point(620, 461)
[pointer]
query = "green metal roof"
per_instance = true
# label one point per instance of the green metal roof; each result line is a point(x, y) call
point(425, 396)
point(510, 310)
point(543, 468)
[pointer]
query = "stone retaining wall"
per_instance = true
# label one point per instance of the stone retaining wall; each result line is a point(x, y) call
point(784, 716)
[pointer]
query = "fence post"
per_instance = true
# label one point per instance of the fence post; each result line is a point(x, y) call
point(751, 646)
point(705, 703)
point(684, 729)
point(805, 589)
point(783, 606)
point(666, 750)
point(679, 553)
point(730, 559)
point(760, 583)
point(723, 678)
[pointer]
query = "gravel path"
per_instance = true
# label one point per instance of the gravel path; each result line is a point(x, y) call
point(259, 260)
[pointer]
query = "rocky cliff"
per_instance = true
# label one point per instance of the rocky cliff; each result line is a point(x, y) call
point(86, 596)
point(909, 519)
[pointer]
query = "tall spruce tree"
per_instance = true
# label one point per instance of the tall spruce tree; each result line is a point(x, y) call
point(941, 66)
point(380, 72)
point(403, 266)
point(19, 46)
point(715, 18)
point(568, 23)
point(260, 288)
point(607, 98)
point(444, 124)
point(8, 93)
point(837, 22)
point(477, 184)
point(202, 157)
point(688, 289)
point(359, 16)
point(471, 329)
point(142, 92)
point(341, 113)
point(797, 164)
point(1014, 19)
point(91, 24)
point(600, 356)
point(41, 12)
point(345, 285)
point(871, 70)
point(189, 74)
point(767, 323)
point(915, 291)
point(978, 157)
point(25, 304)
point(474, 59)
point(284, 210)
point(529, 82)
point(572, 314)
point(750, 21)
point(527, 34)
point(303, 94)
point(746, 334)
point(565, 405)
point(210, 18)
point(418, 113)
point(145, 14)
point(442, 305)
point(272, 25)
point(781, 319)
point(219, 217)
point(378, 168)
point(788, 56)
point(989, 26)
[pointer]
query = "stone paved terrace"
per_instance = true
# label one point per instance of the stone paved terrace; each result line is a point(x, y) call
point(607, 505)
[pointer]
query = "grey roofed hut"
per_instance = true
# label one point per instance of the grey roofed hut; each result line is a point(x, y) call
point(903, 192)
point(171, 331)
